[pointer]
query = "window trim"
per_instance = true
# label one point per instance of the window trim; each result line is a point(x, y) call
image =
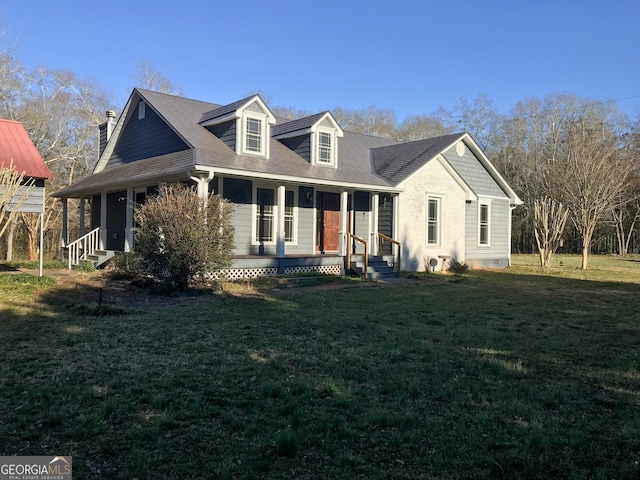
point(244, 134)
point(294, 217)
point(142, 110)
point(254, 217)
point(438, 225)
point(484, 203)
point(275, 216)
point(333, 147)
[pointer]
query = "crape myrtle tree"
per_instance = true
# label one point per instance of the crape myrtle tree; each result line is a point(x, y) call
point(183, 238)
point(588, 173)
point(550, 218)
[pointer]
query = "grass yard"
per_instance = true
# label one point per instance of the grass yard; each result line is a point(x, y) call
point(498, 374)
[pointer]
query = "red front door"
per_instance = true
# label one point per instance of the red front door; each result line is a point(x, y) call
point(328, 239)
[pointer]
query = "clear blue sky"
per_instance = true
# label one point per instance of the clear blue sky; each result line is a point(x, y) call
point(408, 56)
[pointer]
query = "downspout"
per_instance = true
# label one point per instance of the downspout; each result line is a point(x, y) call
point(202, 182)
point(511, 209)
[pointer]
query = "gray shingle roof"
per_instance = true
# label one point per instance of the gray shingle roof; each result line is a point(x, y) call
point(220, 111)
point(296, 125)
point(364, 160)
point(398, 162)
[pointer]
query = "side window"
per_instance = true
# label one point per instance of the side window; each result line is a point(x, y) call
point(433, 220)
point(484, 224)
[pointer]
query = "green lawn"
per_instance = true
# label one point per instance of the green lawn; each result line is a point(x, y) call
point(498, 374)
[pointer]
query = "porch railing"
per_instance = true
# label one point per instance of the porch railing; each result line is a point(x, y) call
point(86, 245)
point(396, 257)
point(351, 236)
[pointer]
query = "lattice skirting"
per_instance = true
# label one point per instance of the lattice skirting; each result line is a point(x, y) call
point(245, 273)
point(325, 269)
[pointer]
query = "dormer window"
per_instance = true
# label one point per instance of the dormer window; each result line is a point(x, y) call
point(324, 147)
point(254, 131)
point(253, 135)
point(325, 150)
point(244, 126)
point(314, 138)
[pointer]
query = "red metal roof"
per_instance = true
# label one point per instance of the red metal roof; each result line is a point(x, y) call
point(17, 148)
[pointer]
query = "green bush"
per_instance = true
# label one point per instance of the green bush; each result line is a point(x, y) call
point(182, 238)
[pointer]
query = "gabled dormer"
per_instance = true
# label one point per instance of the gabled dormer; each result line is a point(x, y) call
point(244, 126)
point(314, 138)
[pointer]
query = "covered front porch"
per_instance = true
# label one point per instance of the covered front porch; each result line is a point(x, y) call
point(282, 228)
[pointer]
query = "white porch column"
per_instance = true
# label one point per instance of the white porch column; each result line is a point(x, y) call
point(103, 220)
point(65, 222)
point(128, 229)
point(344, 200)
point(375, 202)
point(82, 229)
point(395, 199)
point(280, 206)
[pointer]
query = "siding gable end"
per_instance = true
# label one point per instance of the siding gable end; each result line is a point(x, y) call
point(473, 171)
point(144, 138)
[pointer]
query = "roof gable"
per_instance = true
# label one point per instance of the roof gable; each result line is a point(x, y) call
point(17, 150)
point(235, 110)
point(398, 162)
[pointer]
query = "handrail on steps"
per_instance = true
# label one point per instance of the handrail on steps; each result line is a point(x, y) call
point(366, 251)
point(85, 245)
point(384, 238)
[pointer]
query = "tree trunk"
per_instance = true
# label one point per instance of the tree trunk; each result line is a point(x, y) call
point(10, 236)
point(585, 256)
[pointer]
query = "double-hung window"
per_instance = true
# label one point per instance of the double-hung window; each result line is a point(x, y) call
point(433, 220)
point(324, 148)
point(289, 216)
point(253, 135)
point(265, 220)
point(484, 223)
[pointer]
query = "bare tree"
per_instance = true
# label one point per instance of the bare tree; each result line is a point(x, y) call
point(418, 127)
point(151, 78)
point(550, 218)
point(478, 117)
point(370, 121)
point(11, 198)
point(588, 173)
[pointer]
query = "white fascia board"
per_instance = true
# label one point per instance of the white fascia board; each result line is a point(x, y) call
point(256, 98)
point(336, 125)
point(299, 180)
point(469, 193)
point(477, 151)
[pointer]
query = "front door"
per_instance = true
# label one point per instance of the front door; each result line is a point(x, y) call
point(116, 220)
point(328, 228)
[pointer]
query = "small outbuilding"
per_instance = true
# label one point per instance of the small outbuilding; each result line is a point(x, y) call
point(17, 151)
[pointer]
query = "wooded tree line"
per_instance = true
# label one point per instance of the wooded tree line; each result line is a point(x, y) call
point(581, 153)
